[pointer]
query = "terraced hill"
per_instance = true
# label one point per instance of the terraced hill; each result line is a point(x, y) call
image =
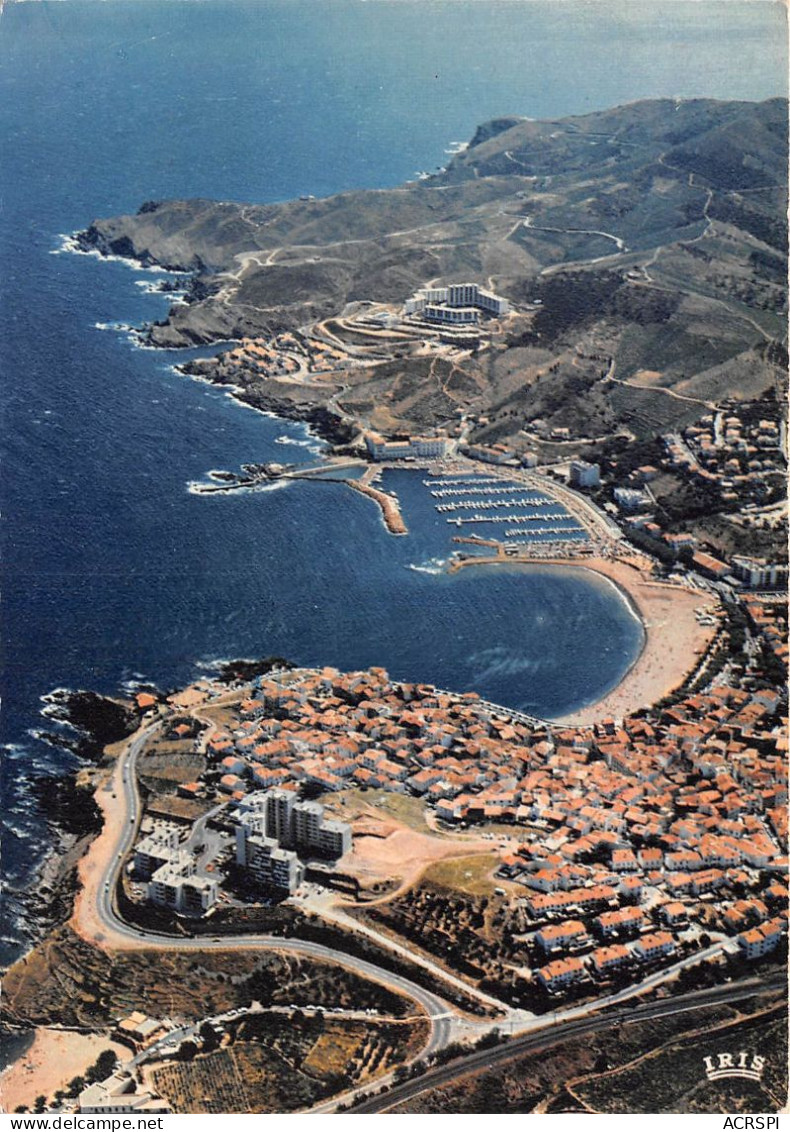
point(651, 236)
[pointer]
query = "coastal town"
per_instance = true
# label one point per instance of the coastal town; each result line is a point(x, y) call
point(703, 497)
point(549, 381)
point(675, 817)
point(640, 842)
point(622, 854)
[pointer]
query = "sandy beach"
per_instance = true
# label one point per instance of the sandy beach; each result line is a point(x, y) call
point(674, 638)
point(54, 1059)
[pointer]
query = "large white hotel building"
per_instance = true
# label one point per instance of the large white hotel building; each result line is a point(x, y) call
point(457, 304)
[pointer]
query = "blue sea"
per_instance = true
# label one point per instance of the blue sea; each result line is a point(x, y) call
point(113, 570)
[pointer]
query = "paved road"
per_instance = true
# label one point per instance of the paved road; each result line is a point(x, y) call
point(446, 1023)
point(444, 1019)
point(487, 1059)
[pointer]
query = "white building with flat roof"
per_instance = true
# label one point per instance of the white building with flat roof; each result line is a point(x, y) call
point(406, 447)
point(583, 474)
point(120, 1093)
point(459, 303)
point(153, 851)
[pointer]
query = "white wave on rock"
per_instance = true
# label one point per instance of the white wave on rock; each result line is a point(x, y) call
point(200, 487)
point(69, 245)
point(432, 566)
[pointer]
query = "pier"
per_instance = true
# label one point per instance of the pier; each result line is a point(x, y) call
point(542, 518)
point(493, 504)
point(545, 522)
point(389, 504)
point(442, 493)
point(561, 534)
point(473, 481)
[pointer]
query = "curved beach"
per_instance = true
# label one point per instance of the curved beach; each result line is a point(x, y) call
point(674, 638)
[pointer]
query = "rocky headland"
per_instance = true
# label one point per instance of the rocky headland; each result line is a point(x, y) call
point(643, 249)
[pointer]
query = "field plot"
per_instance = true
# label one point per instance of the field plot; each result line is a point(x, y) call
point(403, 808)
point(359, 1051)
point(332, 1052)
point(471, 875)
point(277, 1063)
point(246, 1077)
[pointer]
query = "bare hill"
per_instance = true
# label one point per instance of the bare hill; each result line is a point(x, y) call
point(652, 235)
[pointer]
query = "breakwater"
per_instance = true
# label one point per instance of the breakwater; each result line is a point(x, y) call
point(390, 508)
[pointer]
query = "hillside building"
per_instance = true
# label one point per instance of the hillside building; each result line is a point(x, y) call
point(267, 863)
point(460, 304)
point(583, 474)
point(275, 830)
point(154, 851)
point(120, 1093)
point(406, 447)
point(758, 574)
point(175, 885)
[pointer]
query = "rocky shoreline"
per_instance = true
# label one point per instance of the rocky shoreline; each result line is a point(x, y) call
point(66, 803)
point(260, 269)
point(325, 423)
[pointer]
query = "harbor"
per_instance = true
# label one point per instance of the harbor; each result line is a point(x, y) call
point(532, 519)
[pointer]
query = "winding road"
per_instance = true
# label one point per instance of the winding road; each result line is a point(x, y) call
point(447, 1023)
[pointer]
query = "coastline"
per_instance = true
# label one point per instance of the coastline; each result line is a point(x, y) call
point(319, 419)
point(317, 416)
point(49, 1062)
point(666, 657)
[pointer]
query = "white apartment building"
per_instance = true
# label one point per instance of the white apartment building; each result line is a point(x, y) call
point(165, 887)
point(270, 865)
point(561, 972)
point(583, 474)
point(758, 941)
point(653, 946)
point(759, 574)
point(457, 303)
point(334, 838)
point(555, 937)
point(153, 851)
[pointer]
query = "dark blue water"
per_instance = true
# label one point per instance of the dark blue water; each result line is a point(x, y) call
point(113, 570)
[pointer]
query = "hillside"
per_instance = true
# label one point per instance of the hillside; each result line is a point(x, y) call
point(652, 235)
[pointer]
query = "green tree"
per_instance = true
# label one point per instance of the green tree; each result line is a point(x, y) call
point(208, 1036)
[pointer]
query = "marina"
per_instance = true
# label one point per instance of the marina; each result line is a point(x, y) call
point(532, 519)
point(559, 534)
point(507, 489)
point(475, 481)
point(492, 504)
point(509, 518)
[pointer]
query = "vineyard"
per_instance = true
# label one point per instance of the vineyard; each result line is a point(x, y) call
point(246, 1077)
point(276, 1063)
